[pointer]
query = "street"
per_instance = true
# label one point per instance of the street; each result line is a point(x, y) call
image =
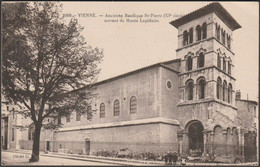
point(22, 159)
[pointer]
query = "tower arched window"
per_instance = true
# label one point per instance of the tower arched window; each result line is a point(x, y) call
point(201, 60)
point(223, 37)
point(102, 110)
point(189, 90)
point(133, 105)
point(218, 87)
point(189, 63)
point(185, 38)
point(198, 32)
point(12, 134)
point(116, 108)
point(224, 64)
point(218, 31)
point(219, 61)
point(229, 68)
point(191, 35)
point(229, 93)
point(224, 90)
point(201, 88)
point(204, 30)
point(228, 41)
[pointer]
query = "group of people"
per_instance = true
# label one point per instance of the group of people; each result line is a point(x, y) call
point(172, 157)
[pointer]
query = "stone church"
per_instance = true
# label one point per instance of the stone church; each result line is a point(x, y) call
point(188, 104)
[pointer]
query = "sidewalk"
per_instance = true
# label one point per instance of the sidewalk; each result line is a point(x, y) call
point(125, 162)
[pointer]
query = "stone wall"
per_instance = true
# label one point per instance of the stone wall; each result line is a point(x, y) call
point(156, 137)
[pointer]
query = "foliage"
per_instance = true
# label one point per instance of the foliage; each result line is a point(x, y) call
point(46, 60)
point(47, 67)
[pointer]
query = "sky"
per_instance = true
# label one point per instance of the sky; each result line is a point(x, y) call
point(132, 45)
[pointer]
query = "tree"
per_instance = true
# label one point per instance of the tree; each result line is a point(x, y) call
point(46, 62)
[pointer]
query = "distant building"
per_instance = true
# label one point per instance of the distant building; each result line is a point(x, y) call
point(187, 104)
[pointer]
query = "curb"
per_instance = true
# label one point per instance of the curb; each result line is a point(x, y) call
point(125, 162)
point(73, 157)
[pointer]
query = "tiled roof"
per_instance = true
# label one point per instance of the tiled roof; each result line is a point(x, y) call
point(215, 7)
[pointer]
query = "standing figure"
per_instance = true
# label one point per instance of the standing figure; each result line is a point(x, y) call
point(167, 157)
point(175, 157)
point(170, 157)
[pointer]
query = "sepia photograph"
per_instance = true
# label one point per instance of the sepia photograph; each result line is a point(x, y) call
point(129, 83)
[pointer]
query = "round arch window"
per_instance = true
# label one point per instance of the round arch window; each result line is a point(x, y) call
point(169, 84)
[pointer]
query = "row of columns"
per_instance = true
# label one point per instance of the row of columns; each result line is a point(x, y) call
point(208, 141)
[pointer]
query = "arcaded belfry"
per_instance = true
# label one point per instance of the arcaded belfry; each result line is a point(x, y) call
point(207, 112)
point(187, 104)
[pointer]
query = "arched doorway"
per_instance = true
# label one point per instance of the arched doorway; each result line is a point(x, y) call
point(195, 137)
point(87, 146)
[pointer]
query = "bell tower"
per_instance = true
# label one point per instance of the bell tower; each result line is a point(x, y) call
point(206, 78)
point(207, 60)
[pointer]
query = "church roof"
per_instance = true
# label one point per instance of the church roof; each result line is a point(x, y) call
point(248, 101)
point(160, 64)
point(215, 7)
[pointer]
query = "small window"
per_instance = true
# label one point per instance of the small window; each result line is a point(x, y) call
point(189, 90)
point(12, 134)
point(189, 63)
point(116, 108)
point(191, 35)
point(255, 111)
point(201, 60)
point(223, 37)
point(68, 118)
point(219, 61)
point(185, 38)
point(229, 93)
point(229, 68)
point(169, 84)
point(218, 31)
point(30, 133)
point(204, 30)
point(89, 111)
point(201, 88)
point(133, 105)
point(102, 110)
point(224, 90)
point(228, 42)
point(78, 116)
point(218, 88)
point(224, 65)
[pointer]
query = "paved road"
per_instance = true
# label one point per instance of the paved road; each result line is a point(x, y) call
point(11, 158)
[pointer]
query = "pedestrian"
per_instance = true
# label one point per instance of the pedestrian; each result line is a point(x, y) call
point(175, 157)
point(170, 157)
point(167, 157)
